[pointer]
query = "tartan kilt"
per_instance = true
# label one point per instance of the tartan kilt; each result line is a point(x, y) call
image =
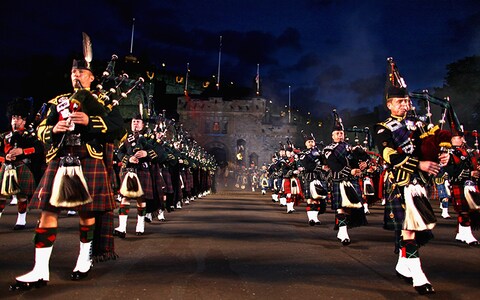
point(25, 179)
point(167, 177)
point(337, 197)
point(188, 180)
point(145, 180)
point(394, 213)
point(460, 204)
point(96, 176)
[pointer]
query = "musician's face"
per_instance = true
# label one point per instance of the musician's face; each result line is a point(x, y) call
point(137, 125)
point(18, 122)
point(338, 136)
point(309, 144)
point(85, 77)
point(458, 140)
point(398, 106)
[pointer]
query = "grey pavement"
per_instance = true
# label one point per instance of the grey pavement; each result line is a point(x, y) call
point(237, 244)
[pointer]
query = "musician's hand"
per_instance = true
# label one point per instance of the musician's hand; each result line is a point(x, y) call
point(79, 118)
point(356, 172)
point(430, 167)
point(140, 154)
point(15, 152)
point(300, 169)
point(363, 165)
point(325, 168)
point(61, 126)
point(9, 157)
point(133, 160)
point(444, 158)
point(475, 174)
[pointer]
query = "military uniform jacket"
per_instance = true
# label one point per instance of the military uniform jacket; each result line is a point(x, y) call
point(135, 142)
point(103, 126)
point(340, 160)
point(397, 146)
point(460, 165)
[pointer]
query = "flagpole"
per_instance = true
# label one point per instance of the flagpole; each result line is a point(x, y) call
point(219, 59)
point(131, 40)
point(185, 90)
point(257, 79)
point(289, 105)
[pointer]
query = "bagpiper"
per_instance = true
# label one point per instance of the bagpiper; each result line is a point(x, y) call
point(74, 133)
point(20, 153)
point(463, 171)
point(345, 171)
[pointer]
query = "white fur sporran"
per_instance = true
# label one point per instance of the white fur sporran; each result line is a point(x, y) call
point(10, 181)
point(418, 216)
point(350, 197)
point(131, 187)
point(69, 186)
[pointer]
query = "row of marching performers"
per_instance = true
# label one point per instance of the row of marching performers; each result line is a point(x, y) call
point(338, 174)
point(159, 174)
point(66, 162)
point(343, 174)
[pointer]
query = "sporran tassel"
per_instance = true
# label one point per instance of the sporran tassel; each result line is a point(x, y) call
point(10, 184)
point(69, 188)
point(418, 211)
point(131, 187)
point(350, 197)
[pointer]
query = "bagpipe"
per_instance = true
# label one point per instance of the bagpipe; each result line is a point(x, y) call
point(361, 153)
point(434, 139)
point(112, 88)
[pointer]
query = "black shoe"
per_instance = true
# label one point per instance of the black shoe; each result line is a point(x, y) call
point(408, 280)
point(311, 222)
point(148, 220)
point(139, 233)
point(427, 288)
point(346, 242)
point(119, 234)
point(77, 275)
point(25, 286)
point(318, 223)
point(18, 227)
point(474, 243)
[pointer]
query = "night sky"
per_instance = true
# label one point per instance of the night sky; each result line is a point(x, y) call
point(331, 53)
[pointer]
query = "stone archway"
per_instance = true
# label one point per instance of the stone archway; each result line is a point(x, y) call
point(219, 151)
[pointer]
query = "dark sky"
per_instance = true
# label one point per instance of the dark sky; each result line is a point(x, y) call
point(330, 52)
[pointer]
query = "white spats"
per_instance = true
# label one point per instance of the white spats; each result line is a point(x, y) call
point(41, 269)
point(84, 260)
point(465, 235)
point(415, 267)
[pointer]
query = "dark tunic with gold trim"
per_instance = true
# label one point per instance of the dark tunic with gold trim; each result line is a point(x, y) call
point(85, 142)
point(398, 146)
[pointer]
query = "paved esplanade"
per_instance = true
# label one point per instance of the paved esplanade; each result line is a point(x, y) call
point(239, 245)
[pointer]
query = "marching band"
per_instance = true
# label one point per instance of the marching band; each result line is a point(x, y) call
point(161, 168)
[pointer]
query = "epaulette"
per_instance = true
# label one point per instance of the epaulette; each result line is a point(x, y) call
point(54, 101)
point(391, 123)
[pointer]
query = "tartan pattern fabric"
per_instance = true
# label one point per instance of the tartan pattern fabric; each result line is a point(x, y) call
point(103, 241)
point(96, 177)
point(394, 213)
point(459, 202)
point(145, 180)
point(167, 178)
point(337, 197)
point(158, 180)
point(25, 179)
